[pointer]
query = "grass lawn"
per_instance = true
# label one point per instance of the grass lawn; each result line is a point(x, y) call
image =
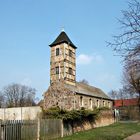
point(117, 131)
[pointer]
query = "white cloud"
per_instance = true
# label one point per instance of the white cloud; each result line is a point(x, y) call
point(84, 59)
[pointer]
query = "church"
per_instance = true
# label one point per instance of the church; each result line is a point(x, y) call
point(64, 91)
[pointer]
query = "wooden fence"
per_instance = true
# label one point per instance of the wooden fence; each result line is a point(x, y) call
point(31, 130)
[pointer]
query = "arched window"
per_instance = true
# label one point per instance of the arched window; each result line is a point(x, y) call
point(109, 104)
point(81, 101)
point(97, 103)
point(103, 103)
point(90, 104)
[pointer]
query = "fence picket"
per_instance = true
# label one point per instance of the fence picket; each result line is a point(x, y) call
point(30, 129)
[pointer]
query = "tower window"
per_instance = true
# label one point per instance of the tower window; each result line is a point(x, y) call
point(57, 70)
point(70, 53)
point(57, 51)
point(70, 71)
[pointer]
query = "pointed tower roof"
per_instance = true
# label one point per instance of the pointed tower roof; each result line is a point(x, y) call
point(62, 38)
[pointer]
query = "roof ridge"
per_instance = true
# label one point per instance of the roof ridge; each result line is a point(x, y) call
point(89, 85)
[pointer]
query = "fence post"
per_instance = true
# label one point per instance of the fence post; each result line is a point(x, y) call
point(62, 128)
point(1, 132)
point(38, 129)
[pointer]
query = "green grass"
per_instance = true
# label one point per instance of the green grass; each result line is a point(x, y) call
point(117, 131)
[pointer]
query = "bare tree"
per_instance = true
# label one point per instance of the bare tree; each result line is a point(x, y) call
point(84, 81)
point(17, 95)
point(122, 93)
point(131, 78)
point(129, 39)
point(113, 94)
point(127, 44)
point(1, 100)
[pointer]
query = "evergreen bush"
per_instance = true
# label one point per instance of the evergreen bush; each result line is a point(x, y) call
point(73, 115)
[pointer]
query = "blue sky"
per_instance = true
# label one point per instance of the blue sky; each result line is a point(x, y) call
point(27, 27)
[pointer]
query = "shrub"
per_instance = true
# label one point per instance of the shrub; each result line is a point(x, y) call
point(73, 115)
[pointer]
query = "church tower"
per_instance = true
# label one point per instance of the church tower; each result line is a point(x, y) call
point(63, 60)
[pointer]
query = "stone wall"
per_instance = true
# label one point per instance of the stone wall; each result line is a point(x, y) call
point(105, 118)
point(58, 95)
point(20, 113)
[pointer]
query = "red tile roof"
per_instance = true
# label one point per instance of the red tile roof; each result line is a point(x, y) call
point(126, 102)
